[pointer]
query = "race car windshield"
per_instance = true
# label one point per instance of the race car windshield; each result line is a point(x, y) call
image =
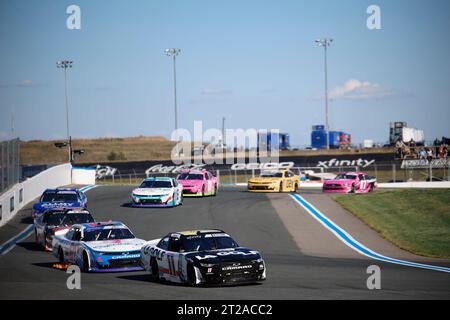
point(271, 175)
point(344, 176)
point(190, 176)
point(60, 219)
point(107, 234)
point(156, 184)
point(201, 243)
point(59, 197)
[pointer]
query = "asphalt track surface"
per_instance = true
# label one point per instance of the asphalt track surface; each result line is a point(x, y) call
point(303, 261)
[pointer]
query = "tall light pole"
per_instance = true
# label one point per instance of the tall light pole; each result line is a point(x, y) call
point(65, 64)
point(174, 52)
point(223, 132)
point(325, 43)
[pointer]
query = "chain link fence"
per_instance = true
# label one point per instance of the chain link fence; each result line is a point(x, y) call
point(9, 164)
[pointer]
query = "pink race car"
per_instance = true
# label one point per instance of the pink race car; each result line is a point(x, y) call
point(198, 183)
point(350, 182)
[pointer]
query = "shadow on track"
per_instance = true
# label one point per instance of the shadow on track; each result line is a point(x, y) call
point(131, 206)
point(147, 278)
point(30, 246)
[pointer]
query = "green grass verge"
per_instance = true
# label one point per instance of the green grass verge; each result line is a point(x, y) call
point(417, 220)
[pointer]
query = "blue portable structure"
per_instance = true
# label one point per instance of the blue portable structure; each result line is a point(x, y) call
point(336, 138)
point(273, 140)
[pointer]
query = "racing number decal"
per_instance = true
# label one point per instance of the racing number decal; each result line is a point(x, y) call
point(72, 251)
point(171, 262)
point(362, 185)
point(210, 187)
point(289, 184)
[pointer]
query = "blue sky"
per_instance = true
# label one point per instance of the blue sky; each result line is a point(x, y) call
point(254, 62)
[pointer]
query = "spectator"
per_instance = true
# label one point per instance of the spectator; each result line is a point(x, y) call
point(400, 146)
point(423, 153)
point(443, 151)
point(412, 148)
point(430, 155)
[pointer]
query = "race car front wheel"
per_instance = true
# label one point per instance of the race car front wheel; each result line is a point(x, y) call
point(61, 255)
point(85, 262)
point(191, 278)
point(155, 270)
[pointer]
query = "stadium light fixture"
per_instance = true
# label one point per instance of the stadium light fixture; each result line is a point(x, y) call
point(325, 43)
point(66, 64)
point(174, 52)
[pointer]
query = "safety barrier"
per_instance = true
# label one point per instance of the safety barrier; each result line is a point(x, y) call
point(23, 193)
point(83, 175)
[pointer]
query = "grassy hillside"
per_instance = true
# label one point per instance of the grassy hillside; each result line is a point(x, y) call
point(132, 149)
point(97, 150)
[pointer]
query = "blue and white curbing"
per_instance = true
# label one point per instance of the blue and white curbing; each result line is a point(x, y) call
point(348, 240)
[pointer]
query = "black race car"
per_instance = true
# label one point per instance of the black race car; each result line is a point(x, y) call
point(57, 221)
point(202, 257)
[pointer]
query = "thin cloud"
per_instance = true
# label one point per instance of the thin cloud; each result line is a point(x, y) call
point(207, 95)
point(361, 90)
point(215, 92)
point(27, 83)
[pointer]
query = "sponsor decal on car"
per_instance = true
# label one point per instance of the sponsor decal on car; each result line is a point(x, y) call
point(237, 267)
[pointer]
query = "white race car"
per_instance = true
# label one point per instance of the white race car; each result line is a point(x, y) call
point(158, 192)
point(99, 247)
point(202, 257)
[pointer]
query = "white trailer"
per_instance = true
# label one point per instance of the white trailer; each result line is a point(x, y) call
point(399, 130)
point(414, 134)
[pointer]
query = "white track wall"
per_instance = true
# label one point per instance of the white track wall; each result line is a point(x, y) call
point(23, 193)
point(84, 176)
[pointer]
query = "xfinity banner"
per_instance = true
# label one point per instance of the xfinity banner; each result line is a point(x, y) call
point(363, 163)
point(168, 167)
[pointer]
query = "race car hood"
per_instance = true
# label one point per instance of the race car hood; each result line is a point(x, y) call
point(262, 179)
point(60, 231)
point(43, 206)
point(115, 245)
point(191, 182)
point(152, 191)
point(226, 255)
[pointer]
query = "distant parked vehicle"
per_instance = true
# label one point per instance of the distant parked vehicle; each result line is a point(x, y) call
point(350, 182)
point(198, 183)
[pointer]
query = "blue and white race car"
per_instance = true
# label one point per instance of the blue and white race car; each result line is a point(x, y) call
point(99, 247)
point(60, 198)
point(158, 192)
